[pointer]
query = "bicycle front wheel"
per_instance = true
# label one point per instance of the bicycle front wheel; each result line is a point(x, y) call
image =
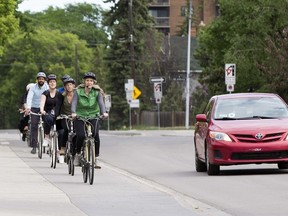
point(91, 160)
point(40, 141)
point(54, 143)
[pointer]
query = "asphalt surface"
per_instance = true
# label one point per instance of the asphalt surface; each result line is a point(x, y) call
point(25, 191)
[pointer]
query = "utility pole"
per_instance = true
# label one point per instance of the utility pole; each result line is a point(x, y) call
point(76, 64)
point(188, 68)
point(131, 39)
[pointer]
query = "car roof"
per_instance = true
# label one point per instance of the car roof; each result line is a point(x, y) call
point(239, 95)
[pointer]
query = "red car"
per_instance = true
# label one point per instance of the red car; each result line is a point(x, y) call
point(242, 128)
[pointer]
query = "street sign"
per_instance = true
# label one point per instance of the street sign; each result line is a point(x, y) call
point(134, 103)
point(230, 74)
point(157, 79)
point(136, 93)
point(158, 89)
point(230, 88)
point(129, 85)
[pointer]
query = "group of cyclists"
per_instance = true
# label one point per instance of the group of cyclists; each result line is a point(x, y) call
point(83, 101)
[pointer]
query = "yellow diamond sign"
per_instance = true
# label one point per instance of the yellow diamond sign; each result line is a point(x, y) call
point(136, 93)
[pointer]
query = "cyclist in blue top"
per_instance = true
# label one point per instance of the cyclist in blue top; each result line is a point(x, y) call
point(33, 104)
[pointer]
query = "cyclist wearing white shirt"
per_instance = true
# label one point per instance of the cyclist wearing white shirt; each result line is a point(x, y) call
point(33, 104)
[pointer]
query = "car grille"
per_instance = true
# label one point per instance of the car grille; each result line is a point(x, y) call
point(259, 155)
point(251, 138)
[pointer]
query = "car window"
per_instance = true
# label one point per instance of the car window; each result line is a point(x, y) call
point(208, 108)
point(266, 107)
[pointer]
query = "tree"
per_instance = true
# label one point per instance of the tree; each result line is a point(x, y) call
point(252, 34)
point(8, 21)
point(130, 59)
point(45, 50)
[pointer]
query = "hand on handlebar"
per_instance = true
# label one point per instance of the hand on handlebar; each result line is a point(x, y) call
point(105, 115)
point(73, 115)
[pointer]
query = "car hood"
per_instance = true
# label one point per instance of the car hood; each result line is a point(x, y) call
point(270, 125)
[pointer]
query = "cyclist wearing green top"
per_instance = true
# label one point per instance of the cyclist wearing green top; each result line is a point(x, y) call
point(87, 102)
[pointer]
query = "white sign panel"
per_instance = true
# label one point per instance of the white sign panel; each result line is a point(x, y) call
point(129, 85)
point(230, 88)
point(230, 74)
point(134, 103)
point(158, 89)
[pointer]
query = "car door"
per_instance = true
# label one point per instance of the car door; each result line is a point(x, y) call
point(201, 130)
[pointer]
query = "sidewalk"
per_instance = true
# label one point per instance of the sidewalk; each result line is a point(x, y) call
point(25, 192)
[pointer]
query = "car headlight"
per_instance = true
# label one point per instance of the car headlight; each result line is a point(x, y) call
point(219, 136)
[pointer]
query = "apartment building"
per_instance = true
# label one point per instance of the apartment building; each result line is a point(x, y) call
point(170, 14)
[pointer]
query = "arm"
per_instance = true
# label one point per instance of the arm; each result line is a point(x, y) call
point(29, 98)
point(74, 104)
point(103, 110)
point(101, 104)
point(42, 103)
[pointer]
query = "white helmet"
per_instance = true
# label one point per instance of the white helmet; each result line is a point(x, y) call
point(29, 86)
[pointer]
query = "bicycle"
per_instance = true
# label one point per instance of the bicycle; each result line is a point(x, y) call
point(68, 157)
point(40, 138)
point(53, 147)
point(87, 160)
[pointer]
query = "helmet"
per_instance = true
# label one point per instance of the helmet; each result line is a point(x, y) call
point(68, 80)
point(89, 75)
point(51, 77)
point(41, 74)
point(29, 86)
point(65, 77)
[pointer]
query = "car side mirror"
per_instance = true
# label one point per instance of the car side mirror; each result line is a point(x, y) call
point(201, 118)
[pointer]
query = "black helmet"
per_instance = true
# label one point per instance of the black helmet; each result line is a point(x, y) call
point(89, 75)
point(68, 80)
point(51, 77)
point(41, 74)
point(65, 77)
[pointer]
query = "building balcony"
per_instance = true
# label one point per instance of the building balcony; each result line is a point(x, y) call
point(159, 3)
point(162, 22)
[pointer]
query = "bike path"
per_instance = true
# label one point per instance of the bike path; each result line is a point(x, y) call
point(28, 186)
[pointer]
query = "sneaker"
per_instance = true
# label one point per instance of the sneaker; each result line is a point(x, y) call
point(45, 143)
point(96, 164)
point(77, 160)
point(33, 151)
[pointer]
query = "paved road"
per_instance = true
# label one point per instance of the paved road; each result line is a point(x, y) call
point(30, 187)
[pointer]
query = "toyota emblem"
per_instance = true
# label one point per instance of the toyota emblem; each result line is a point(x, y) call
point(259, 136)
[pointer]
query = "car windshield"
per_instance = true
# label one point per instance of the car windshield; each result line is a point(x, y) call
point(250, 108)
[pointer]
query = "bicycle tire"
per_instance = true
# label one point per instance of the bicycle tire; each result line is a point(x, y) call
point(40, 141)
point(72, 165)
point(91, 160)
point(85, 168)
point(54, 151)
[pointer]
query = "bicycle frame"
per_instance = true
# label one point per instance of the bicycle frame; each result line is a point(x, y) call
point(88, 152)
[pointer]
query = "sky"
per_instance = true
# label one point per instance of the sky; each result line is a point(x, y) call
point(40, 5)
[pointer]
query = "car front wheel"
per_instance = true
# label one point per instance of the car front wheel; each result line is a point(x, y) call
point(200, 165)
point(212, 169)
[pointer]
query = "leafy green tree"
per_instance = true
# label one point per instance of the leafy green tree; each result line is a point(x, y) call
point(45, 50)
point(8, 21)
point(122, 63)
point(252, 34)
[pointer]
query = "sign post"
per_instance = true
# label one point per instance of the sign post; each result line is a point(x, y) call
point(230, 77)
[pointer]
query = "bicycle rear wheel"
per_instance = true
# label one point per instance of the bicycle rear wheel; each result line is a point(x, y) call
point(40, 141)
point(91, 160)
